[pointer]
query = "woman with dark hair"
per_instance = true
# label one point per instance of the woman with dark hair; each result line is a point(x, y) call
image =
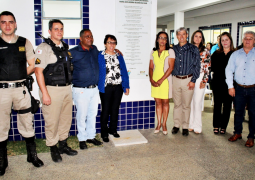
point(161, 66)
point(113, 81)
point(209, 46)
point(195, 123)
point(219, 86)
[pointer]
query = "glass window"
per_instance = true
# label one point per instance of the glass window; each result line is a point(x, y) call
point(248, 28)
point(212, 34)
point(68, 11)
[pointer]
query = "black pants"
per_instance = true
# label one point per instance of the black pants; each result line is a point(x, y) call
point(110, 102)
point(221, 98)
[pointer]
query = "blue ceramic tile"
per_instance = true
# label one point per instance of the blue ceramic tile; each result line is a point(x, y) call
point(135, 104)
point(98, 125)
point(10, 132)
point(43, 123)
point(38, 42)
point(71, 42)
point(43, 136)
point(37, 2)
point(74, 108)
point(85, 26)
point(123, 117)
point(134, 122)
point(123, 123)
point(129, 122)
point(14, 125)
point(135, 110)
point(146, 126)
point(123, 105)
point(38, 14)
point(85, 9)
point(141, 103)
point(122, 111)
point(140, 115)
point(146, 109)
point(129, 116)
point(152, 103)
point(85, 2)
point(146, 103)
point(152, 120)
point(98, 112)
point(38, 130)
point(65, 40)
point(98, 131)
point(36, 34)
point(129, 104)
point(37, 8)
point(152, 114)
point(85, 21)
point(37, 123)
point(77, 43)
point(15, 131)
point(97, 119)
point(129, 127)
point(85, 15)
point(146, 121)
point(134, 126)
point(152, 125)
point(38, 136)
point(134, 116)
point(14, 119)
point(140, 121)
point(140, 126)
point(146, 115)
point(152, 108)
point(129, 110)
point(140, 109)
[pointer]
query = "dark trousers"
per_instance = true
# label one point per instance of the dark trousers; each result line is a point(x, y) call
point(244, 96)
point(110, 102)
point(221, 98)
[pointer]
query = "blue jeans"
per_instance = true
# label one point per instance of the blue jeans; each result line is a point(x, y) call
point(244, 96)
point(86, 101)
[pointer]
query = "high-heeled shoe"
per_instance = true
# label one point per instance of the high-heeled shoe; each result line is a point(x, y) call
point(156, 131)
point(190, 130)
point(165, 132)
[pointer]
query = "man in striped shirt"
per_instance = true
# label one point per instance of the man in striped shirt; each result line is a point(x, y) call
point(186, 71)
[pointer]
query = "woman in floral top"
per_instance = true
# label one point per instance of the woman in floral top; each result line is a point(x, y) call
point(195, 123)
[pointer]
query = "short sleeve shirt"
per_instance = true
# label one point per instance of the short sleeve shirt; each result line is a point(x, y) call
point(44, 55)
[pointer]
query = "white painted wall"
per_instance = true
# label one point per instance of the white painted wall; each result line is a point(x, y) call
point(233, 17)
point(102, 22)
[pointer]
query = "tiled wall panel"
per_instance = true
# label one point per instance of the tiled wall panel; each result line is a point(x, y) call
point(132, 115)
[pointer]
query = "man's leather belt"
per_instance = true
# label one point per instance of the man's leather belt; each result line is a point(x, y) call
point(89, 87)
point(66, 84)
point(12, 85)
point(184, 77)
point(246, 86)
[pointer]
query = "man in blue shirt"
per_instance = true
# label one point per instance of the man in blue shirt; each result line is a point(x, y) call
point(242, 65)
point(216, 46)
point(85, 90)
point(185, 73)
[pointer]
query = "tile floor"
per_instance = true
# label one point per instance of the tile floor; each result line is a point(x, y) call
point(203, 156)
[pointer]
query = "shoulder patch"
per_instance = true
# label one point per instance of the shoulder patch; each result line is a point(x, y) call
point(37, 61)
point(69, 53)
point(39, 51)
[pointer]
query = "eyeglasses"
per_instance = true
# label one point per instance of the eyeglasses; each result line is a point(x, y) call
point(113, 43)
point(248, 39)
point(87, 37)
point(163, 38)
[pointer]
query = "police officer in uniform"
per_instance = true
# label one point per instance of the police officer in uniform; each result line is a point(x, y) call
point(53, 74)
point(15, 53)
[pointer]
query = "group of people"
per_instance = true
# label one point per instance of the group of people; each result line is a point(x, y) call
point(81, 74)
point(181, 73)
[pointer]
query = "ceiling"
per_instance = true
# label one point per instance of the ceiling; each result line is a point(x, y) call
point(164, 3)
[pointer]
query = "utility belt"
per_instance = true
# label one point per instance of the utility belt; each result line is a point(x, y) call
point(184, 77)
point(12, 85)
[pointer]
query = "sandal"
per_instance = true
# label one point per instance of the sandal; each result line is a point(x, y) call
point(223, 131)
point(216, 130)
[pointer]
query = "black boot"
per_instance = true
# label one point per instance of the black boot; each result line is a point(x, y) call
point(31, 153)
point(63, 148)
point(3, 157)
point(55, 155)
